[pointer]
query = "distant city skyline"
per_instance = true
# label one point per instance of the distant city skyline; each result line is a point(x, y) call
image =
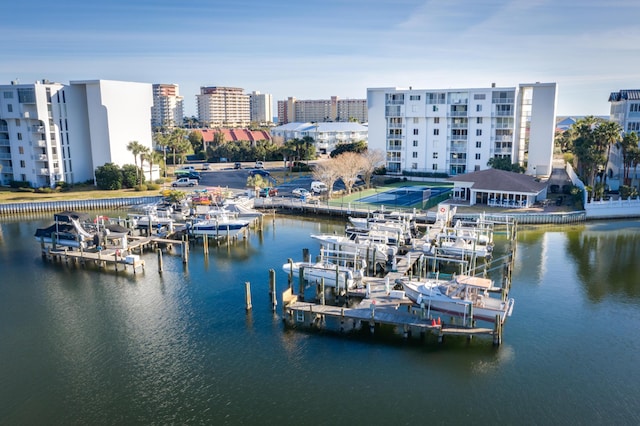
point(318, 49)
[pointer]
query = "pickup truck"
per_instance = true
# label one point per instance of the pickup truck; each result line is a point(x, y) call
point(184, 182)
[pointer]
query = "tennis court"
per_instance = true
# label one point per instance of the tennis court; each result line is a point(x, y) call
point(404, 196)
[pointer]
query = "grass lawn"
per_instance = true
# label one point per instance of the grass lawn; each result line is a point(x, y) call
point(82, 193)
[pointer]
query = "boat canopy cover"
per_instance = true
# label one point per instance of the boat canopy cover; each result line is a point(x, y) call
point(68, 215)
point(479, 282)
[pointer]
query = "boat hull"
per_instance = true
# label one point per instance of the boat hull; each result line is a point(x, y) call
point(315, 272)
point(483, 308)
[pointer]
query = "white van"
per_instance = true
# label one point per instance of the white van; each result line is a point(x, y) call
point(318, 187)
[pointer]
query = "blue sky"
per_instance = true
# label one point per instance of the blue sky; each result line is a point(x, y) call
point(314, 49)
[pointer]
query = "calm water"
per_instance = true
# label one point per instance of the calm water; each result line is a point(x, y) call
point(80, 346)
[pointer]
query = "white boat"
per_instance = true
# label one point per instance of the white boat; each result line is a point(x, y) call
point(153, 218)
point(452, 244)
point(340, 276)
point(67, 230)
point(367, 249)
point(463, 296)
point(219, 223)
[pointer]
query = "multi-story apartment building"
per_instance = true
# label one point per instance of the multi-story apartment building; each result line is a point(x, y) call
point(624, 110)
point(455, 131)
point(51, 132)
point(223, 106)
point(325, 135)
point(168, 106)
point(322, 110)
point(261, 106)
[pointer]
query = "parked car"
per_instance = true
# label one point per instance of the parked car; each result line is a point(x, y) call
point(190, 174)
point(259, 165)
point(260, 172)
point(318, 187)
point(184, 182)
point(300, 192)
point(237, 165)
point(269, 192)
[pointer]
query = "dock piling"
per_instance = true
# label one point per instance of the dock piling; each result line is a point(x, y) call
point(247, 295)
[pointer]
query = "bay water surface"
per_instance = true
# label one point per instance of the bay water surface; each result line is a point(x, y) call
point(84, 346)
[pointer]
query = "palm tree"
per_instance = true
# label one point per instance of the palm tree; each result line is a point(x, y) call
point(136, 148)
point(608, 135)
point(154, 157)
point(144, 154)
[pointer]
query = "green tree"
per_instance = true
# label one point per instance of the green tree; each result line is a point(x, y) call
point(630, 155)
point(505, 163)
point(109, 176)
point(357, 147)
point(590, 154)
point(129, 176)
point(607, 134)
point(197, 142)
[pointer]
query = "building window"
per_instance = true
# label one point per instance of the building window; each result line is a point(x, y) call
point(22, 164)
point(19, 136)
point(416, 120)
point(7, 95)
point(9, 108)
point(478, 107)
point(20, 150)
point(17, 122)
point(434, 166)
point(478, 132)
point(476, 168)
point(436, 132)
point(415, 143)
point(478, 144)
point(479, 96)
point(436, 120)
point(634, 107)
point(435, 108)
point(414, 97)
point(414, 154)
point(477, 156)
point(478, 120)
point(435, 155)
point(414, 166)
point(415, 131)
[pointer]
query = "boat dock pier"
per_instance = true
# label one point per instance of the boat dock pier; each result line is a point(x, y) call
point(379, 304)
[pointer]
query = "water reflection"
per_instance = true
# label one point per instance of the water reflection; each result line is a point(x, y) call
point(606, 257)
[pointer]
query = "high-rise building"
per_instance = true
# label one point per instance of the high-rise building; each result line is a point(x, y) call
point(168, 106)
point(322, 110)
point(455, 131)
point(625, 111)
point(261, 106)
point(52, 132)
point(223, 106)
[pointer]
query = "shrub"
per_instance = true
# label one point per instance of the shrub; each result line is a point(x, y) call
point(141, 187)
point(44, 190)
point(109, 176)
point(26, 189)
point(19, 184)
point(153, 186)
point(159, 181)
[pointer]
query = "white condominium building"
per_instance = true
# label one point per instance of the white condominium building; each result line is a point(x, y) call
point(325, 135)
point(456, 131)
point(625, 110)
point(223, 106)
point(168, 106)
point(261, 106)
point(51, 132)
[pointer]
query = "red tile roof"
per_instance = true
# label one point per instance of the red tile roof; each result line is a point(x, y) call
point(235, 135)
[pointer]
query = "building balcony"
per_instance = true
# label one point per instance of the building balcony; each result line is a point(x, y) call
point(458, 161)
point(395, 126)
point(40, 143)
point(459, 137)
point(502, 101)
point(4, 128)
point(42, 157)
point(394, 147)
point(37, 129)
point(44, 171)
point(457, 113)
point(6, 169)
point(5, 156)
point(503, 113)
point(5, 142)
point(502, 138)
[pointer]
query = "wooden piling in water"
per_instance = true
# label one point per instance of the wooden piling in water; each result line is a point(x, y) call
point(159, 260)
point(247, 295)
point(272, 289)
